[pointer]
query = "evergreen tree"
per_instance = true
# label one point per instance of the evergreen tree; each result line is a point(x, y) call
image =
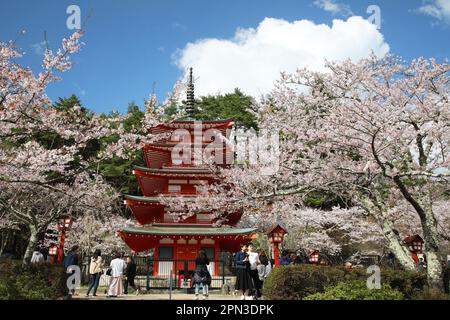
point(236, 106)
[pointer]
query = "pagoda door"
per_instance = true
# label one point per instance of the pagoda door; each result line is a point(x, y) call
point(185, 254)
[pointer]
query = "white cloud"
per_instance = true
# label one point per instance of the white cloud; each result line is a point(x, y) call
point(179, 26)
point(438, 9)
point(334, 7)
point(254, 58)
point(39, 48)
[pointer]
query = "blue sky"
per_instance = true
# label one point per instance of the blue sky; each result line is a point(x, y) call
point(131, 44)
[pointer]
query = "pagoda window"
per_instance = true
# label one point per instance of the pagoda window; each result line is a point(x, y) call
point(203, 217)
point(181, 241)
point(192, 241)
point(166, 241)
point(174, 188)
point(210, 253)
point(165, 253)
point(178, 181)
point(207, 241)
point(165, 261)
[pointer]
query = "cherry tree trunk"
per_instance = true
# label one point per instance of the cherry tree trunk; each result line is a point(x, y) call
point(379, 212)
point(32, 242)
point(430, 235)
point(5, 239)
point(434, 271)
point(401, 253)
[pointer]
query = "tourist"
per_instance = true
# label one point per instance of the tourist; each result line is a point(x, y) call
point(253, 259)
point(130, 275)
point(71, 259)
point(264, 268)
point(117, 271)
point(296, 258)
point(95, 271)
point(293, 258)
point(201, 275)
point(243, 280)
point(285, 260)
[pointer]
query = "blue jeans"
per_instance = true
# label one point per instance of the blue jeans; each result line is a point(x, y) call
point(94, 283)
point(204, 288)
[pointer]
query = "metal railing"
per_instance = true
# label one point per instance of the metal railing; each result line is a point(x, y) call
point(158, 274)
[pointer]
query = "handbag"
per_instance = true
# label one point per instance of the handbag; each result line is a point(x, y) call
point(108, 271)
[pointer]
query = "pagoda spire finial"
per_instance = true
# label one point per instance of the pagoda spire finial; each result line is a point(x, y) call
point(190, 95)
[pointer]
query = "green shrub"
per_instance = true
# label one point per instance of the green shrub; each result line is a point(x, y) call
point(357, 290)
point(407, 282)
point(31, 282)
point(298, 281)
point(431, 294)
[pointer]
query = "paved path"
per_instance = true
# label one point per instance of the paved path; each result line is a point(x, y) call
point(153, 296)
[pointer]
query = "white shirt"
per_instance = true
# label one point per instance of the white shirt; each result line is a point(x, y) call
point(253, 259)
point(117, 267)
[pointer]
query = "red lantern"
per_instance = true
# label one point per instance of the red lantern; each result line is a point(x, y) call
point(414, 243)
point(53, 250)
point(276, 234)
point(415, 246)
point(314, 257)
point(67, 222)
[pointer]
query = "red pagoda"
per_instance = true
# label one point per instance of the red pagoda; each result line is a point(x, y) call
point(177, 242)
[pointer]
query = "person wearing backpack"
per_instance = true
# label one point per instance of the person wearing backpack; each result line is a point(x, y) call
point(202, 276)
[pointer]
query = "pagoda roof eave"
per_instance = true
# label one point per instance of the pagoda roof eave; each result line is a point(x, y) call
point(190, 123)
point(184, 230)
point(190, 120)
point(173, 170)
point(155, 199)
point(182, 144)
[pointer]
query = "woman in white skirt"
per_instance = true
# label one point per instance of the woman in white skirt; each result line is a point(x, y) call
point(118, 266)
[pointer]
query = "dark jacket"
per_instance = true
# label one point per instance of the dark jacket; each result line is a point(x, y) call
point(239, 259)
point(284, 261)
point(200, 262)
point(131, 270)
point(201, 274)
point(71, 259)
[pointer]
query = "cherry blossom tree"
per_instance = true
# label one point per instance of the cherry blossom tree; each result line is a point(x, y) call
point(375, 133)
point(92, 230)
point(40, 182)
point(44, 179)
